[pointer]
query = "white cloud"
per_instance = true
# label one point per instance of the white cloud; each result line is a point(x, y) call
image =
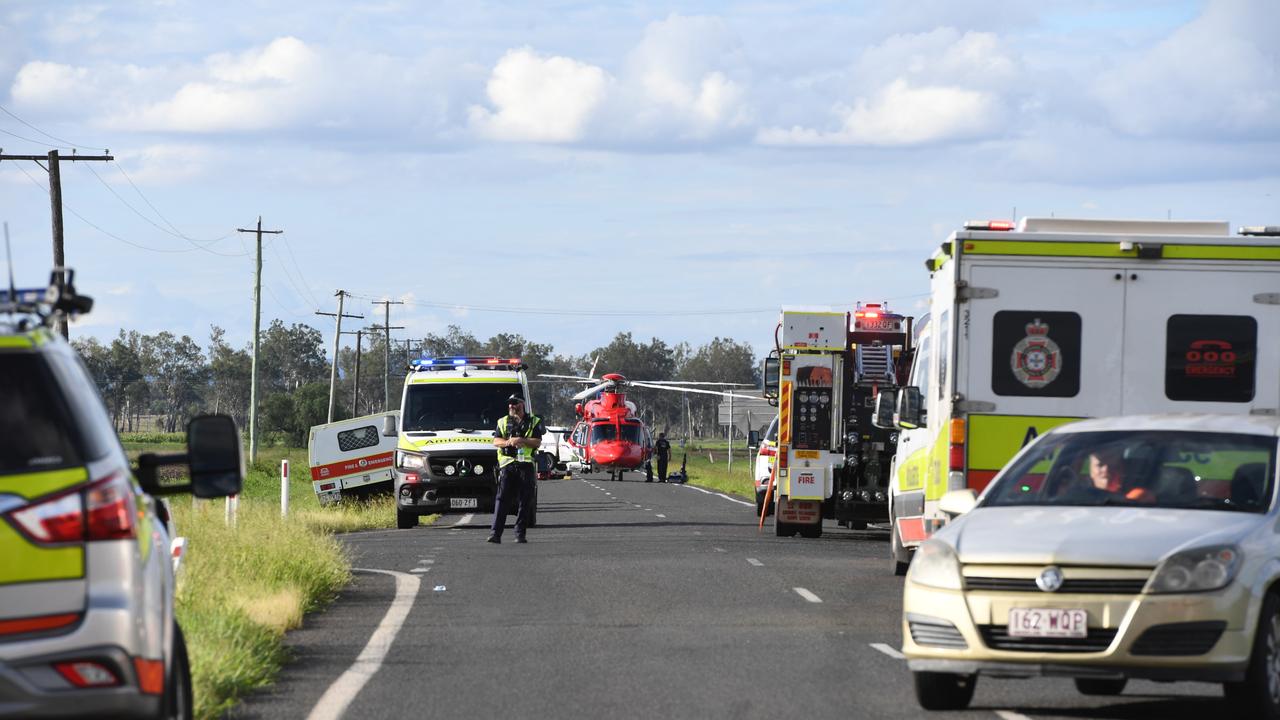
point(540, 98)
point(40, 84)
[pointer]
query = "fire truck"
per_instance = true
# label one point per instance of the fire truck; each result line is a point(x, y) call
point(832, 462)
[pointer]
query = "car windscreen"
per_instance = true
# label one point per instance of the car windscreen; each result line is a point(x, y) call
point(456, 406)
point(1143, 468)
point(37, 431)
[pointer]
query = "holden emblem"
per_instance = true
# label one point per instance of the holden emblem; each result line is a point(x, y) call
point(1050, 579)
point(1036, 359)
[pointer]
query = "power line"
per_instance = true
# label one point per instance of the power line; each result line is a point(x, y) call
point(68, 145)
point(160, 215)
point(302, 277)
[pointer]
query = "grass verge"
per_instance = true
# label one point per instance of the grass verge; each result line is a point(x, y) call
point(243, 587)
point(710, 469)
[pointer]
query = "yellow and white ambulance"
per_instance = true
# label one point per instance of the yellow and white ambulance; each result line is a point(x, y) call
point(1051, 320)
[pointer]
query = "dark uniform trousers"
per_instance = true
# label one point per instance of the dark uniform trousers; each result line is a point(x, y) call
point(662, 468)
point(515, 485)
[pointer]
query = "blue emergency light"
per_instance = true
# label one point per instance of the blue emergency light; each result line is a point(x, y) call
point(493, 363)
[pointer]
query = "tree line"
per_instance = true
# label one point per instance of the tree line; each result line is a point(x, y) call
point(158, 382)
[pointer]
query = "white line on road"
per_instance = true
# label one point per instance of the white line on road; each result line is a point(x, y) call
point(718, 549)
point(1011, 715)
point(726, 497)
point(807, 595)
point(887, 650)
point(755, 562)
point(419, 570)
point(338, 697)
point(464, 520)
point(660, 515)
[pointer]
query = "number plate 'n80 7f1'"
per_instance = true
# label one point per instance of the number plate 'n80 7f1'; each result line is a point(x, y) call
point(1048, 623)
point(462, 502)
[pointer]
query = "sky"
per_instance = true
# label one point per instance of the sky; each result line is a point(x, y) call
point(571, 170)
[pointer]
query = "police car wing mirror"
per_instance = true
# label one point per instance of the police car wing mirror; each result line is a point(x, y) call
point(215, 456)
point(909, 410)
point(389, 425)
point(882, 416)
point(958, 502)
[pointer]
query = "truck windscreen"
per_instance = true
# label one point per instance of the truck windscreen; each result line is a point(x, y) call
point(456, 406)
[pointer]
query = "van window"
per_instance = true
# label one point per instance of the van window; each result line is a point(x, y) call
point(920, 368)
point(358, 438)
point(771, 435)
point(944, 351)
point(1210, 358)
point(36, 425)
point(1036, 353)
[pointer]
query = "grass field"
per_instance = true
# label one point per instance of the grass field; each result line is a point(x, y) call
point(709, 468)
point(243, 587)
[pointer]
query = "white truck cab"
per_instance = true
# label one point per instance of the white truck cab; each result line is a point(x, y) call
point(445, 459)
point(1052, 320)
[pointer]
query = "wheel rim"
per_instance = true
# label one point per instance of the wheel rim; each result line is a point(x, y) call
point(1272, 666)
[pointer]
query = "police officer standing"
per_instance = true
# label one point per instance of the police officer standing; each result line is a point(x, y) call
point(518, 435)
point(662, 451)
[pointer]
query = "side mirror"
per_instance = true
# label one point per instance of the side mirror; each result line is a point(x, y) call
point(958, 502)
point(882, 415)
point(909, 412)
point(389, 426)
point(753, 438)
point(771, 372)
point(214, 458)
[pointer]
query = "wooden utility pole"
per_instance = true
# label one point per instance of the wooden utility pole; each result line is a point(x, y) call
point(257, 326)
point(386, 325)
point(55, 203)
point(355, 392)
point(337, 335)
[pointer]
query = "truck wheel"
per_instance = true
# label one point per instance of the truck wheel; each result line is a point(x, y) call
point(177, 696)
point(406, 520)
point(899, 557)
point(1259, 694)
point(944, 691)
point(783, 529)
point(1101, 686)
point(811, 531)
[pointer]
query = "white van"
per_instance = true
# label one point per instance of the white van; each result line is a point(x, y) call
point(1058, 319)
point(351, 457)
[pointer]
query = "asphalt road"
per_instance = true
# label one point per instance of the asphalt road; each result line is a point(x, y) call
point(637, 600)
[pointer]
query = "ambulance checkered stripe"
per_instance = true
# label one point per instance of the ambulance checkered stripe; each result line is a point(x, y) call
point(363, 437)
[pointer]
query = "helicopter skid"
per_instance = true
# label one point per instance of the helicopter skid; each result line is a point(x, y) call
point(599, 473)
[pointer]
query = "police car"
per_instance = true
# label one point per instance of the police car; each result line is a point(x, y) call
point(86, 585)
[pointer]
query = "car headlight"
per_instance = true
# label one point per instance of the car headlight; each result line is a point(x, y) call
point(935, 564)
point(449, 470)
point(1197, 570)
point(410, 461)
point(478, 469)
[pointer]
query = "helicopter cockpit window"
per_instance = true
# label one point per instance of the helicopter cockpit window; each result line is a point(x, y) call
point(633, 434)
point(455, 406)
point(604, 431)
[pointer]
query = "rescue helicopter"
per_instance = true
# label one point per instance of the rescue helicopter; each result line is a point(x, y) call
point(609, 435)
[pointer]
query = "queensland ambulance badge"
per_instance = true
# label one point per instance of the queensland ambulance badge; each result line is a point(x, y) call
point(1036, 360)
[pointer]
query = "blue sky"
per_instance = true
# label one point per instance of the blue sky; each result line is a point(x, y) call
point(682, 169)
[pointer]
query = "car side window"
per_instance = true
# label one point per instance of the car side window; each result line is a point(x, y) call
point(38, 433)
point(97, 431)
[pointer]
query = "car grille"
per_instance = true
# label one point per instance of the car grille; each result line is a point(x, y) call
point(468, 461)
point(997, 637)
point(935, 632)
point(1124, 586)
point(1191, 638)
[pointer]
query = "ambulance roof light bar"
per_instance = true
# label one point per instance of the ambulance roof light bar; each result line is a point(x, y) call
point(1260, 230)
point(454, 363)
point(1003, 225)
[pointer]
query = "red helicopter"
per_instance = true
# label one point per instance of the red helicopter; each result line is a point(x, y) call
point(609, 436)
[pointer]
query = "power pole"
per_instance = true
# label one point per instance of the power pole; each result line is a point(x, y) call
point(386, 325)
point(337, 335)
point(355, 394)
point(55, 203)
point(257, 325)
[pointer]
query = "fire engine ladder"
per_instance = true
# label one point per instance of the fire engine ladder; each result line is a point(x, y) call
point(874, 364)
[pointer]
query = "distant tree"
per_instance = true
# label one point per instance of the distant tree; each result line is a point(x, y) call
point(179, 372)
point(454, 341)
point(229, 378)
point(290, 357)
point(721, 360)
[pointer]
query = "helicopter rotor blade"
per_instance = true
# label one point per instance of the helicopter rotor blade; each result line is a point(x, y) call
point(721, 393)
point(692, 382)
point(593, 390)
point(575, 378)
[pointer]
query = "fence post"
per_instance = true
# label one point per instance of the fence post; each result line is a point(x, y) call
point(233, 504)
point(284, 488)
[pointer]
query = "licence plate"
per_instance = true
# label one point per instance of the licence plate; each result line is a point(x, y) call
point(462, 502)
point(1048, 623)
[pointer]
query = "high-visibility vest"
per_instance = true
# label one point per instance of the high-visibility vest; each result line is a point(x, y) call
point(523, 454)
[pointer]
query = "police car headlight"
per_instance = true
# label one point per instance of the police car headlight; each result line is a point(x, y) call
point(410, 461)
point(449, 470)
point(1198, 570)
point(478, 469)
point(935, 564)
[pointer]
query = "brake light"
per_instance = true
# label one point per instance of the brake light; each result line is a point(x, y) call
point(955, 455)
point(86, 673)
point(111, 509)
point(38, 624)
point(56, 520)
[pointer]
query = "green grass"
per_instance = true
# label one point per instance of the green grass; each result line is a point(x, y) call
point(243, 587)
point(709, 468)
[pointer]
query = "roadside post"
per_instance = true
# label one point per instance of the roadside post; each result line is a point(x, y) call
point(284, 488)
point(233, 504)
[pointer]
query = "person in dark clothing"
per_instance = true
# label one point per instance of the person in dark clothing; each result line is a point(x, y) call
point(662, 453)
point(517, 437)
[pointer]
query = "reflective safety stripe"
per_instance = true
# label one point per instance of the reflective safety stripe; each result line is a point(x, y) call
point(524, 454)
point(26, 562)
point(994, 439)
point(1169, 251)
point(430, 380)
point(38, 484)
point(21, 342)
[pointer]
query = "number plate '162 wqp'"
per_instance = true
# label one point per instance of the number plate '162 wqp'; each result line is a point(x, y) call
point(1048, 623)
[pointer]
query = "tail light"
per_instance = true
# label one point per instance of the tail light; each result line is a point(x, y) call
point(86, 673)
point(767, 451)
point(105, 510)
point(955, 455)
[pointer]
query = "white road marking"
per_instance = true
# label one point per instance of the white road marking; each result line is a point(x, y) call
point(1011, 715)
point(427, 561)
point(419, 570)
point(887, 650)
point(338, 697)
point(755, 562)
point(718, 494)
point(807, 595)
point(464, 520)
point(648, 509)
point(660, 515)
point(718, 549)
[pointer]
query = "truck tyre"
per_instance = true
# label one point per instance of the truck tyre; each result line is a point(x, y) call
point(944, 691)
point(1259, 694)
point(177, 691)
point(783, 529)
point(406, 520)
point(1101, 686)
point(811, 531)
point(899, 557)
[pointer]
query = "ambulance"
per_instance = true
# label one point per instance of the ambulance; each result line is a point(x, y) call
point(445, 459)
point(351, 458)
point(1036, 324)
